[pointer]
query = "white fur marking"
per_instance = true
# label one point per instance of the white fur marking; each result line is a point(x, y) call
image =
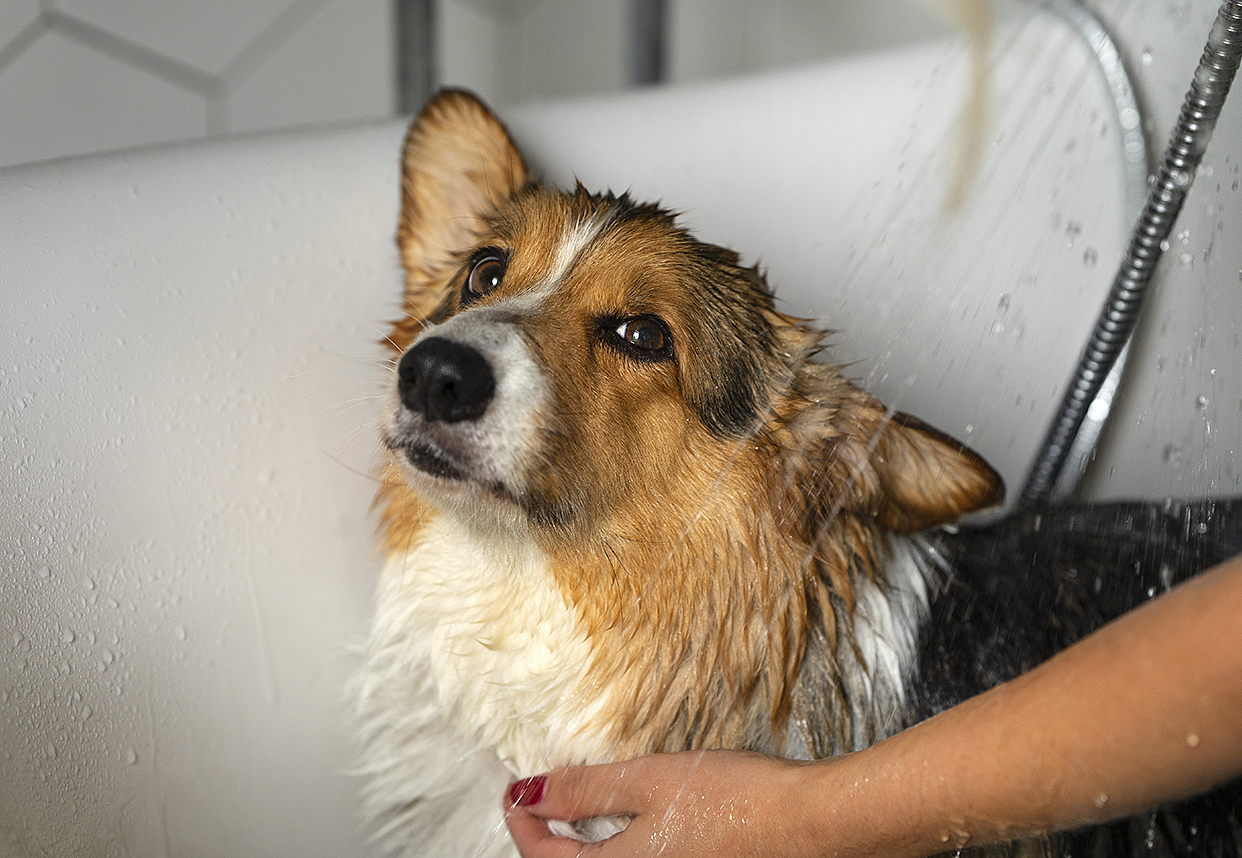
point(508, 657)
point(476, 673)
point(886, 624)
point(576, 237)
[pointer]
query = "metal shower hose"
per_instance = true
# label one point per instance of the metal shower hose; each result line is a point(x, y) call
point(1189, 140)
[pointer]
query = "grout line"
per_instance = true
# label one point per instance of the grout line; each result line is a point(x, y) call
point(132, 53)
point(26, 37)
point(269, 40)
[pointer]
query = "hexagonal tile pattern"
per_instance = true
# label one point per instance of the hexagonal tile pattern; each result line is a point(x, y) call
point(205, 35)
point(73, 100)
point(337, 67)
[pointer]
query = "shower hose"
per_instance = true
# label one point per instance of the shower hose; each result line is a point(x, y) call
point(1090, 389)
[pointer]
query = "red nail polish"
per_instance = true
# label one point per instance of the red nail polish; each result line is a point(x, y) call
point(527, 791)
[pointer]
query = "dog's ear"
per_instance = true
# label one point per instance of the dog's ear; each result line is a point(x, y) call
point(911, 476)
point(459, 164)
point(888, 467)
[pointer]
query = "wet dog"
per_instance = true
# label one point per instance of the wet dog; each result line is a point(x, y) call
point(627, 507)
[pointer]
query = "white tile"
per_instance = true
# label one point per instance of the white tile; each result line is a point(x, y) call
point(570, 47)
point(715, 38)
point(706, 39)
point(338, 67)
point(59, 98)
point(467, 42)
point(203, 33)
point(15, 16)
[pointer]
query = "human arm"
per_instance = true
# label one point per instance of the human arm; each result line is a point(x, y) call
point(1147, 709)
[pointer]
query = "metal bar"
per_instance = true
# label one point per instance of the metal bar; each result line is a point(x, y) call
point(417, 75)
point(648, 28)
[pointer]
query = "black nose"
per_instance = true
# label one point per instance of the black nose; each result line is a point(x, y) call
point(445, 380)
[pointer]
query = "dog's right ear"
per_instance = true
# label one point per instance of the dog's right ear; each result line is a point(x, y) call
point(458, 166)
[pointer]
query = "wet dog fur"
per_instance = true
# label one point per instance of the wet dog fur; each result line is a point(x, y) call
point(627, 507)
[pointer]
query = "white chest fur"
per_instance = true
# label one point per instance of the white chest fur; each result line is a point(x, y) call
point(506, 659)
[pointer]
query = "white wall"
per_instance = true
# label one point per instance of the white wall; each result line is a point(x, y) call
point(81, 76)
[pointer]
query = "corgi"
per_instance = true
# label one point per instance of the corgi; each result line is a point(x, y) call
point(626, 507)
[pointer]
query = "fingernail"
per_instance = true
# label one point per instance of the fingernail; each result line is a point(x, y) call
point(527, 791)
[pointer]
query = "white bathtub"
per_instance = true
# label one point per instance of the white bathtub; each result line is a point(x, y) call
point(188, 366)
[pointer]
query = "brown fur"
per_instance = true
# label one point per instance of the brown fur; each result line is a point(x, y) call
point(708, 516)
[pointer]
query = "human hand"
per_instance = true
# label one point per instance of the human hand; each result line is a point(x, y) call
point(693, 803)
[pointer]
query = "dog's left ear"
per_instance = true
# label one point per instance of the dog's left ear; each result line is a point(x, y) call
point(458, 166)
point(905, 474)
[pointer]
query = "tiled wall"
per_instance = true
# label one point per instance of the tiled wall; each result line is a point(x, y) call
point(81, 76)
point(87, 75)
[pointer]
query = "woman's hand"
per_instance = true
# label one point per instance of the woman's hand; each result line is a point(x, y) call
point(718, 803)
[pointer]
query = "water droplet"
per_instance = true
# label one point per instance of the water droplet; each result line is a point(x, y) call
point(970, 427)
point(1101, 800)
point(88, 583)
point(1202, 528)
point(67, 636)
point(1089, 257)
point(1164, 245)
point(1181, 179)
point(1186, 260)
point(998, 327)
point(179, 633)
point(131, 756)
point(1192, 740)
point(1145, 57)
point(87, 712)
point(50, 750)
point(1202, 402)
point(1172, 453)
point(1005, 300)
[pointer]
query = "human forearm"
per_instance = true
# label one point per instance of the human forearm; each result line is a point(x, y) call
point(1146, 710)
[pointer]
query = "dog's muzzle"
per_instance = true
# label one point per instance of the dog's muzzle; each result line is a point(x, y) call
point(445, 381)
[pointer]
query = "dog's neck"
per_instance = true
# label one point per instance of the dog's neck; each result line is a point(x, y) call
point(507, 657)
point(524, 661)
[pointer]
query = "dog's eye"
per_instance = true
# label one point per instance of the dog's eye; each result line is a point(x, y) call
point(642, 333)
point(644, 337)
point(487, 270)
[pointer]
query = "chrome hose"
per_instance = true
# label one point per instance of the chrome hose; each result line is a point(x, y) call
point(1200, 110)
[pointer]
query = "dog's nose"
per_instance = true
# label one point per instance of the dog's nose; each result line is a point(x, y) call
point(445, 380)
